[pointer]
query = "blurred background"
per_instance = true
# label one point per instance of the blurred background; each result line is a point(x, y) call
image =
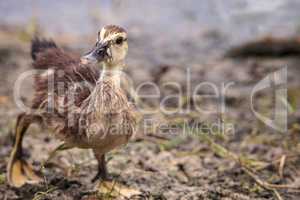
point(235, 19)
point(214, 24)
point(240, 41)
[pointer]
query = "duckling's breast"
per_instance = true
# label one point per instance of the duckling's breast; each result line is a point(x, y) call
point(111, 118)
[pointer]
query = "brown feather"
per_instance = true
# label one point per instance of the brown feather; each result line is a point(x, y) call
point(61, 87)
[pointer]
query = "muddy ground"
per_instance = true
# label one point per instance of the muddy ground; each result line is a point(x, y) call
point(166, 164)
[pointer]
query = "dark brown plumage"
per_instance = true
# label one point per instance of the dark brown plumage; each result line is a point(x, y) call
point(62, 85)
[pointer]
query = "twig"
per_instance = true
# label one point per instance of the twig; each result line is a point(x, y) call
point(275, 186)
point(262, 183)
point(225, 153)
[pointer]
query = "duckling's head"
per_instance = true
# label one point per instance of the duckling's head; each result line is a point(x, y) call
point(111, 47)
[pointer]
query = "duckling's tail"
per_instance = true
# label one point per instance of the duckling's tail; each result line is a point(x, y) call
point(39, 45)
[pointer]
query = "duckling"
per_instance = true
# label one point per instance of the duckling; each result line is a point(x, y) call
point(83, 107)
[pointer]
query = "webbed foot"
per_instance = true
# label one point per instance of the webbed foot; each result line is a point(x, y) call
point(20, 173)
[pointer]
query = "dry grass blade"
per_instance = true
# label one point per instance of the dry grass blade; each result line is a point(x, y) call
point(42, 195)
point(2, 179)
point(61, 147)
point(225, 153)
point(262, 183)
point(277, 161)
point(281, 166)
point(113, 190)
point(246, 166)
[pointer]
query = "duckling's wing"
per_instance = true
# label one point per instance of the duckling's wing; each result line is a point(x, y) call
point(62, 77)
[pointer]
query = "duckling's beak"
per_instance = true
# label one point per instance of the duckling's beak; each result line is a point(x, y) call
point(98, 54)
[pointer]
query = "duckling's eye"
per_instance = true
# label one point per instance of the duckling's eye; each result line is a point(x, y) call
point(119, 41)
point(99, 51)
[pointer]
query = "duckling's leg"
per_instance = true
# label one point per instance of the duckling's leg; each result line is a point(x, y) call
point(102, 170)
point(19, 171)
point(110, 187)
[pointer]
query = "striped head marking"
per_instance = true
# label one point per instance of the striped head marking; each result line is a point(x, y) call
point(111, 31)
point(111, 47)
